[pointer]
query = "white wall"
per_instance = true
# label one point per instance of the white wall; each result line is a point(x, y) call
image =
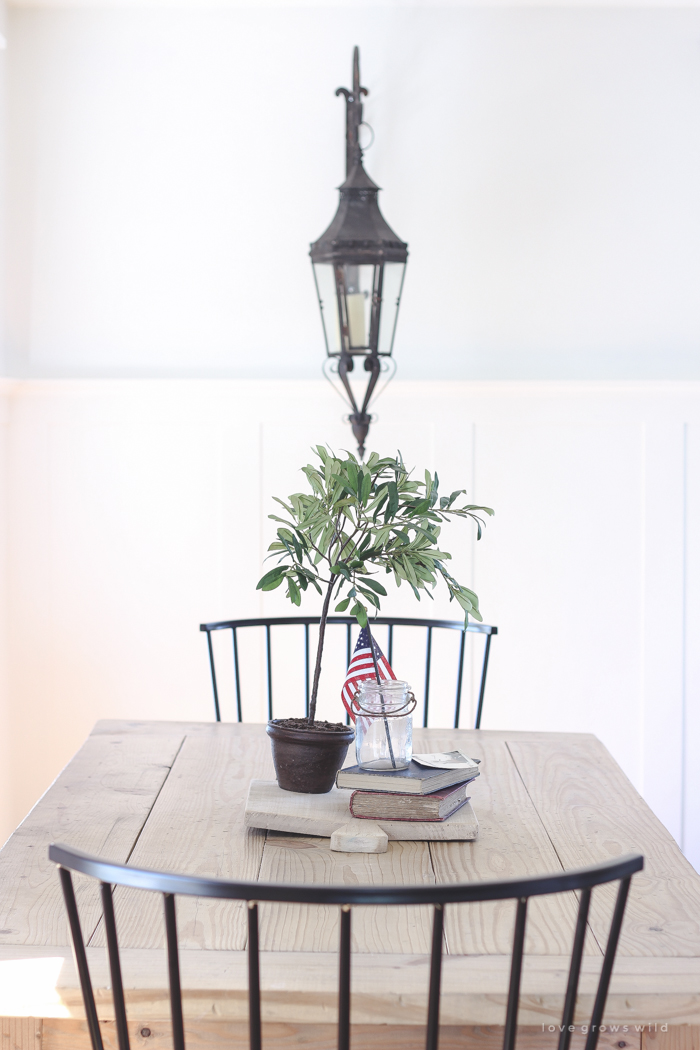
point(138, 509)
point(171, 163)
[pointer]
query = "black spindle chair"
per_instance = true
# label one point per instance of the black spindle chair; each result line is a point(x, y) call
point(391, 622)
point(169, 884)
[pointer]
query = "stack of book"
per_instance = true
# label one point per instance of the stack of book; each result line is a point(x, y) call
point(416, 793)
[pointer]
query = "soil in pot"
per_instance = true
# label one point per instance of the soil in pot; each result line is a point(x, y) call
point(307, 757)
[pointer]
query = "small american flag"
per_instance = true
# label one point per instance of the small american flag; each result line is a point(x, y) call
point(362, 667)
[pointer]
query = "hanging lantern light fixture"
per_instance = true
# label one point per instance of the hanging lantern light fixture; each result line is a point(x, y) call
point(359, 266)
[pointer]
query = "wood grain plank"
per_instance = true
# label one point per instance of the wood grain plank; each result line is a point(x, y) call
point(197, 827)
point(297, 858)
point(136, 727)
point(99, 803)
point(512, 842)
point(212, 1035)
point(592, 813)
point(677, 1037)
point(21, 1033)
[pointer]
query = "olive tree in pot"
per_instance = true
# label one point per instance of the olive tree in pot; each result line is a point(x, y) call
point(357, 518)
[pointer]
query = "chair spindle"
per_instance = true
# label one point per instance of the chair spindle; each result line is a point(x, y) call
point(254, 1020)
point(460, 675)
point(115, 968)
point(433, 1029)
point(344, 980)
point(237, 674)
point(608, 963)
point(482, 687)
point(81, 963)
point(348, 641)
point(213, 678)
point(268, 647)
point(516, 969)
point(306, 668)
point(174, 973)
point(428, 655)
point(574, 970)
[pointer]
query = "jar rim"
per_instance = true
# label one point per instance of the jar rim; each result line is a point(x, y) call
point(386, 683)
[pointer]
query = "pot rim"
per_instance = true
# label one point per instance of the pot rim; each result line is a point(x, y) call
point(310, 736)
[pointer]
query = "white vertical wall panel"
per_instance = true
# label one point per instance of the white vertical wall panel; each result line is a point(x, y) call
point(138, 509)
point(562, 574)
point(691, 794)
point(663, 672)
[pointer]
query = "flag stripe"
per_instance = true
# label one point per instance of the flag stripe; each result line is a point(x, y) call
point(362, 667)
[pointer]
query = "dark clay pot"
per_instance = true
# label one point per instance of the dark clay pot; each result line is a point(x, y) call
point(307, 760)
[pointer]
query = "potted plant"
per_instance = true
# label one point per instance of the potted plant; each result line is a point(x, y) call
point(358, 517)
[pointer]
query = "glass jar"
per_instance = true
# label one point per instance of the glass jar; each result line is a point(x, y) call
point(384, 724)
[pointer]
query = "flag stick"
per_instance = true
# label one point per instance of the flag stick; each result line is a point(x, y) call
point(381, 695)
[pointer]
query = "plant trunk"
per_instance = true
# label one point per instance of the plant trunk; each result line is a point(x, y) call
point(319, 653)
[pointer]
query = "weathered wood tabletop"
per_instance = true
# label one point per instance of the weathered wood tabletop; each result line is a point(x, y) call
point(171, 795)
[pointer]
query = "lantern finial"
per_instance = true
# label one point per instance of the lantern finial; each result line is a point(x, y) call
point(353, 115)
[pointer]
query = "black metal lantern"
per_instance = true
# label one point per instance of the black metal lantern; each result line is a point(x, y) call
point(359, 265)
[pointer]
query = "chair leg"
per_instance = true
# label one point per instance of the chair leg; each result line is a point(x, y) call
point(344, 980)
point(516, 969)
point(433, 1029)
point(254, 1021)
point(608, 963)
point(81, 963)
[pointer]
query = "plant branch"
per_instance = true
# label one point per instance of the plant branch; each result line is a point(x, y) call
point(319, 653)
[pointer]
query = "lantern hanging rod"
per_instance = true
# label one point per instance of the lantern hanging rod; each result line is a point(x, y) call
point(353, 115)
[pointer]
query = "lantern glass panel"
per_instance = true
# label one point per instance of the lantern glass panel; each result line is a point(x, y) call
point(359, 283)
point(391, 296)
point(328, 301)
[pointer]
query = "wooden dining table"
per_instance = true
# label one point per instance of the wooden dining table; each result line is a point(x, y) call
point(171, 796)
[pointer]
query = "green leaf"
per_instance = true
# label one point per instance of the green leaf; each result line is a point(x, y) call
point(283, 504)
point(375, 586)
point(293, 591)
point(339, 569)
point(272, 578)
point(370, 596)
point(366, 487)
point(360, 614)
point(393, 498)
point(342, 606)
point(352, 474)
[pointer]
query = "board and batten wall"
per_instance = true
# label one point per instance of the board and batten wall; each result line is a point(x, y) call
point(138, 508)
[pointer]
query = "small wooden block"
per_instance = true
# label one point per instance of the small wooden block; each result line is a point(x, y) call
point(360, 836)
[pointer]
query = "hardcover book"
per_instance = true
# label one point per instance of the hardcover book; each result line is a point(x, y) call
point(416, 780)
point(394, 805)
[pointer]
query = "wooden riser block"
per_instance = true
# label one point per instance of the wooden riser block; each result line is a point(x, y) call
point(268, 806)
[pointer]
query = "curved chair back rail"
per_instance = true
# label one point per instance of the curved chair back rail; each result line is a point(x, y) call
point(346, 896)
point(348, 622)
